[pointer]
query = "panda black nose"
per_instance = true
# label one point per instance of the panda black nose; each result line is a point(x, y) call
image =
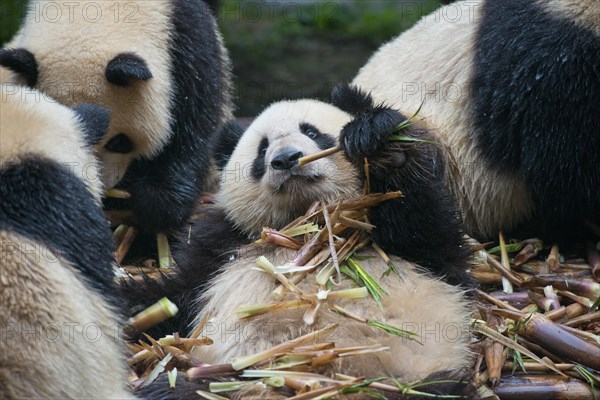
point(286, 160)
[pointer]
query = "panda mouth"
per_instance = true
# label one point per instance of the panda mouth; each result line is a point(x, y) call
point(291, 181)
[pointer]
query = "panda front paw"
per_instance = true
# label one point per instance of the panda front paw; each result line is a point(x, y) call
point(369, 133)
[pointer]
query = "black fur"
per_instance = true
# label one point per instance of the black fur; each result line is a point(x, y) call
point(94, 120)
point(536, 96)
point(164, 189)
point(119, 144)
point(225, 141)
point(423, 226)
point(127, 68)
point(214, 5)
point(201, 251)
point(22, 62)
point(258, 166)
point(46, 202)
point(351, 99)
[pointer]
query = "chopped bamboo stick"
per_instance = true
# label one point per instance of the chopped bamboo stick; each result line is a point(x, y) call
point(479, 326)
point(541, 301)
point(506, 284)
point(494, 351)
point(496, 302)
point(579, 299)
point(512, 277)
point(514, 299)
point(118, 217)
point(537, 367)
point(245, 362)
point(586, 318)
point(542, 387)
point(356, 224)
point(317, 156)
point(527, 253)
point(328, 225)
point(119, 234)
point(571, 311)
point(153, 315)
point(581, 287)
point(486, 277)
point(164, 251)
point(553, 259)
point(278, 238)
point(117, 193)
point(559, 341)
point(125, 244)
point(593, 258)
point(210, 371)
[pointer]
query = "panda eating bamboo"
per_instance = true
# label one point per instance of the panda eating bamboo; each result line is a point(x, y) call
point(421, 230)
point(512, 90)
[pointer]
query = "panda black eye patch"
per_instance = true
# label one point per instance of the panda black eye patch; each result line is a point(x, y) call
point(258, 166)
point(323, 140)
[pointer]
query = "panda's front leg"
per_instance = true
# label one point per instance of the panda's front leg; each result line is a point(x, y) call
point(164, 189)
point(423, 226)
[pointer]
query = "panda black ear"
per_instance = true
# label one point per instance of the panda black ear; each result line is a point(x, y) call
point(126, 68)
point(22, 62)
point(94, 120)
point(351, 99)
point(225, 141)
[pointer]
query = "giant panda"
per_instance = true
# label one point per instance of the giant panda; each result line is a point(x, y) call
point(162, 69)
point(263, 185)
point(59, 335)
point(512, 89)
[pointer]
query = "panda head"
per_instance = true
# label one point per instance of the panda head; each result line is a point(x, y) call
point(102, 61)
point(34, 126)
point(262, 183)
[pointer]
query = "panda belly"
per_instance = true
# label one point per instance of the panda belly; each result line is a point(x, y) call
point(433, 309)
point(409, 72)
point(59, 338)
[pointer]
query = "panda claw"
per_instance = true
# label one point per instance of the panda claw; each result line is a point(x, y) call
point(368, 134)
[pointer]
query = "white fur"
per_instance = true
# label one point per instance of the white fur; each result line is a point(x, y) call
point(583, 12)
point(72, 67)
point(252, 205)
point(55, 344)
point(421, 67)
point(5, 75)
point(59, 339)
point(416, 302)
point(31, 123)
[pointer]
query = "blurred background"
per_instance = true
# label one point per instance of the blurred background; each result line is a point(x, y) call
point(291, 48)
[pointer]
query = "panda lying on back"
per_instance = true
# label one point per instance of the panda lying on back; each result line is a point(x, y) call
point(59, 334)
point(422, 228)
